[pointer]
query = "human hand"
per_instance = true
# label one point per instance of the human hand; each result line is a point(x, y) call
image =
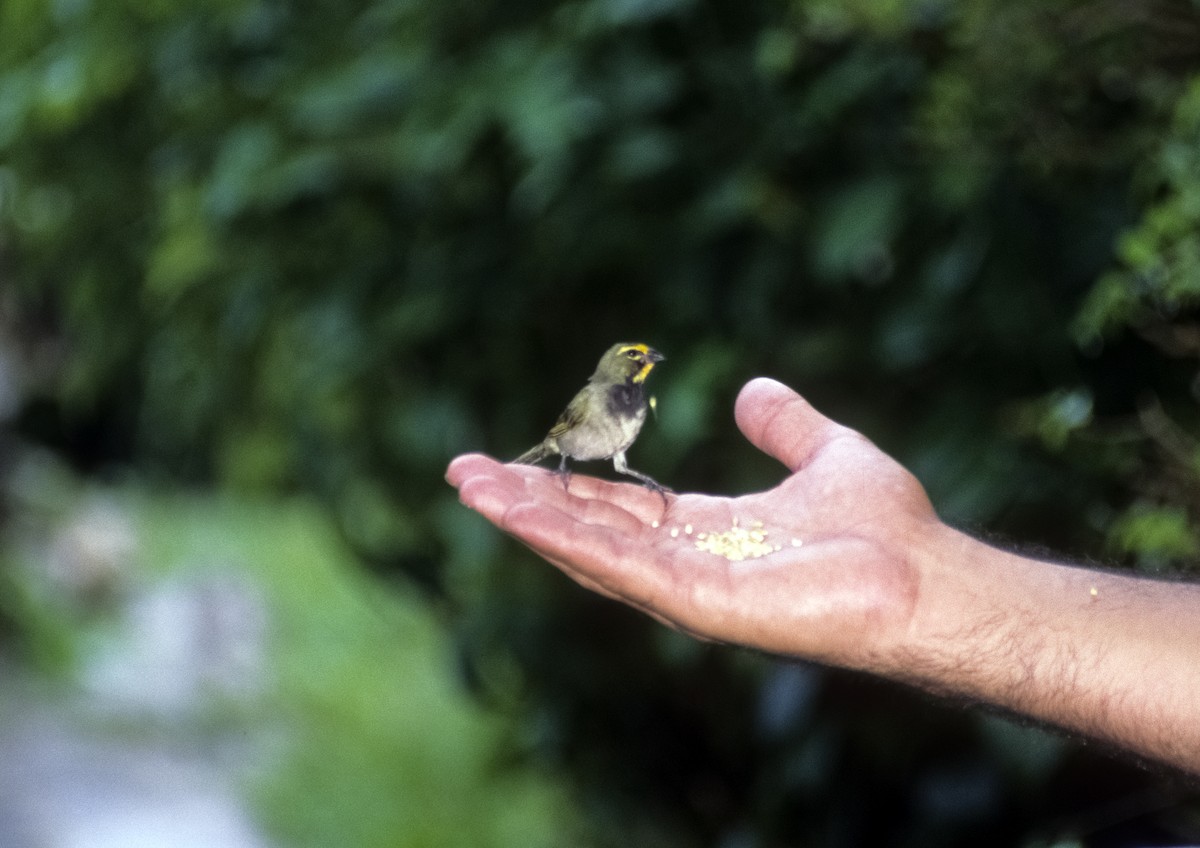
point(879, 583)
point(845, 594)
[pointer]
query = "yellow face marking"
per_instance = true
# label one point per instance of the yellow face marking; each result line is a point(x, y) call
point(646, 368)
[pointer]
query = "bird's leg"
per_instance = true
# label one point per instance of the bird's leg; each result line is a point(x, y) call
point(564, 473)
point(649, 482)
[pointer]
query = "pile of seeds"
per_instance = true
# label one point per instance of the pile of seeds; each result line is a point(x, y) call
point(735, 544)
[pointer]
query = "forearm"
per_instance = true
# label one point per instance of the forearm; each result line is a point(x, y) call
point(1108, 655)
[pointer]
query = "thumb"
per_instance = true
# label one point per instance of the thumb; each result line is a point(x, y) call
point(781, 423)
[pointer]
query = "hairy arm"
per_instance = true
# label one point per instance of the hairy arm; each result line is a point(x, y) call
point(1109, 655)
point(867, 577)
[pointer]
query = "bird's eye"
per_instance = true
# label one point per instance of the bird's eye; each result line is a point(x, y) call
point(632, 354)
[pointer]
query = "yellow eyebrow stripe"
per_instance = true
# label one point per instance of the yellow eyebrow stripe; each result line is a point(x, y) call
point(640, 348)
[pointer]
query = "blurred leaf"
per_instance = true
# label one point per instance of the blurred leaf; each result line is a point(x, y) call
point(1054, 418)
point(855, 231)
point(1155, 532)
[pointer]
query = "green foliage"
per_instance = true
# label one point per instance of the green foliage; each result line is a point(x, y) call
point(1152, 294)
point(1160, 271)
point(1161, 532)
point(381, 744)
point(325, 247)
point(1054, 418)
point(355, 731)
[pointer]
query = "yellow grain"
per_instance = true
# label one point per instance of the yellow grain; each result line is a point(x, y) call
point(737, 543)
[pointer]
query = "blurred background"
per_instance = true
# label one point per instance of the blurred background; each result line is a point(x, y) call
point(265, 267)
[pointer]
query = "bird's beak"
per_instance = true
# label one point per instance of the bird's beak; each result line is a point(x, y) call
point(653, 355)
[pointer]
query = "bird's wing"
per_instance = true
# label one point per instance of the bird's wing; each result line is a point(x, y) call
point(571, 417)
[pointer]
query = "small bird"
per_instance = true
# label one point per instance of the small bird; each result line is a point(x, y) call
point(606, 416)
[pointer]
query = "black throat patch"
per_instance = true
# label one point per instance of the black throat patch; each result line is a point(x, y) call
point(626, 399)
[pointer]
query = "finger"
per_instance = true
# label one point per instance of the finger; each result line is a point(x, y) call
point(640, 501)
point(781, 423)
point(583, 578)
point(609, 562)
point(500, 488)
point(469, 465)
point(537, 482)
point(603, 558)
point(492, 495)
point(600, 512)
point(600, 589)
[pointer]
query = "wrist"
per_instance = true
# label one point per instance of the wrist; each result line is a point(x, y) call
point(1100, 652)
point(987, 622)
point(920, 624)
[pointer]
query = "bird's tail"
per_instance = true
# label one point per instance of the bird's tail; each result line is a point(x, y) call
point(535, 454)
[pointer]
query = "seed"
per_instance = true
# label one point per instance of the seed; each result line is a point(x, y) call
point(654, 523)
point(737, 543)
point(674, 532)
point(688, 529)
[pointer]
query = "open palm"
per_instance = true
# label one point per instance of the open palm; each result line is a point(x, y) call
point(847, 522)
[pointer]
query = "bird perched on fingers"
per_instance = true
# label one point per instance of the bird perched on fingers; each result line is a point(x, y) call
point(602, 421)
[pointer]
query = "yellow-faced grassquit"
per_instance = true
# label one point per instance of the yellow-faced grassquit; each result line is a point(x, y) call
point(602, 421)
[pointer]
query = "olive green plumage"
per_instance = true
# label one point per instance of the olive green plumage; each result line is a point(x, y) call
point(602, 421)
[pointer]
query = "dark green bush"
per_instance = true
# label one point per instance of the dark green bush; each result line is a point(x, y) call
point(326, 246)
